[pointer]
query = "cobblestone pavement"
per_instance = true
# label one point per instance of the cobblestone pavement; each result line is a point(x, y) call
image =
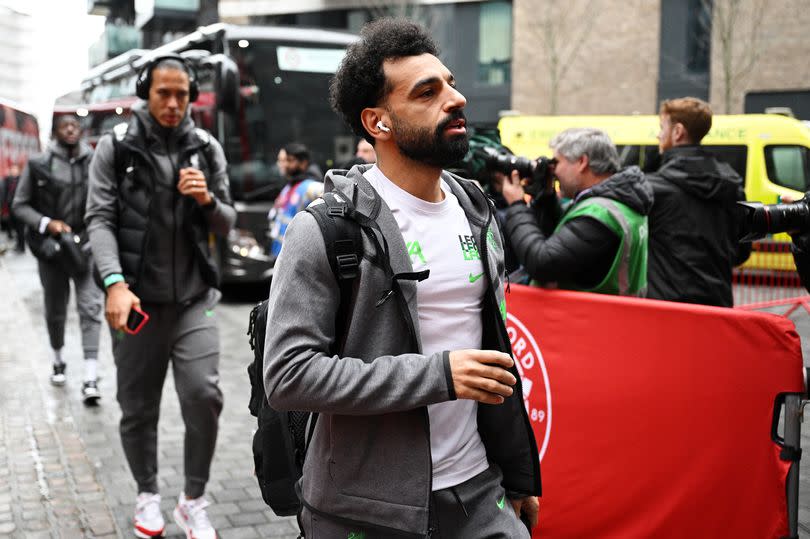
point(62, 468)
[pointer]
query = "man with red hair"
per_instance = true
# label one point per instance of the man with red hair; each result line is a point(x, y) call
point(694, 220)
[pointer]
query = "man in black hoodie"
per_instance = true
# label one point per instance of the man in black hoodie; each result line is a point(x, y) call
point(694, 221)
point(599, 242)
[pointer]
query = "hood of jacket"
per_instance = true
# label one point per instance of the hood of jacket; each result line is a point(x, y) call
point(628, 186)
point(699, 173)
point(353, 185)
point(154, 132)
point(58, 149)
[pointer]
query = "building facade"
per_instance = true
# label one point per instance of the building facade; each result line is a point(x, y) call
point(475, 36)
point(135, 24)
point(610, 57)
point(18, 81)
point(551, 57)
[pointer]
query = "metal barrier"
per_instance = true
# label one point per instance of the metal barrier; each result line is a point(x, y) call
point(769, 280)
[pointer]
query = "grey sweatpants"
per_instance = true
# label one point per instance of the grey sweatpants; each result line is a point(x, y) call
point(475, 509)
point(89, 304)
point(188, 338)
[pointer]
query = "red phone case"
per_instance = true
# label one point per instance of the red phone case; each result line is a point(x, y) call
point(140, 325)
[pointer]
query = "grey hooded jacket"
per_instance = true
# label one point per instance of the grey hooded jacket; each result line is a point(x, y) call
point(54, 185)
point(369, 460)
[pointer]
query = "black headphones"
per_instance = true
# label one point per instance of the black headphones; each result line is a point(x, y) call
point(144, 80)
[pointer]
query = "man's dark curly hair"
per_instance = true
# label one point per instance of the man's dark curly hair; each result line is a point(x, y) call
point(360, 80)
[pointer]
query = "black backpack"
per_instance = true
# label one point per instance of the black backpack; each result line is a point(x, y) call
point(281, 440)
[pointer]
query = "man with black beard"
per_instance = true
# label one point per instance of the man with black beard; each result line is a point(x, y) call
point(422, 428)
point(303, 186)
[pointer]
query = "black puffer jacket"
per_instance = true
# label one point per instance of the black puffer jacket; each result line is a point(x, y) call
point(583, 250)
point(54, 185)
point(139, 224)
point(693, 228)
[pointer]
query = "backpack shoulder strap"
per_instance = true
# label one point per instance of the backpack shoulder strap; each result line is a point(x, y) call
point(343, 240)
point(121, 156)
point(203, 135)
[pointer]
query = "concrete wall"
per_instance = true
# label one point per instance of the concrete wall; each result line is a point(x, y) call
point(783, 49)
point(613, 69)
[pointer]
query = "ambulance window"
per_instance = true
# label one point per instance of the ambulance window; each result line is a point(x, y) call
point(650, 159)
point(646, 157)
point(628, 155)
point(788, 166)
point(735, 156)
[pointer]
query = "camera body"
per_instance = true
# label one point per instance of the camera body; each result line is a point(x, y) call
point(759, 219)
point(539, 172)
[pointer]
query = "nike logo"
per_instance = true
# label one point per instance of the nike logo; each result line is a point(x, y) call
point(501, 502)
point(474, 278)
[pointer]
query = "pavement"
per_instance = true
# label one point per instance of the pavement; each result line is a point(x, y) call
point(62, 469)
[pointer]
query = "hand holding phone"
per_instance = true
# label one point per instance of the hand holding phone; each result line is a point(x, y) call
point(119, 305)
point(136, 320)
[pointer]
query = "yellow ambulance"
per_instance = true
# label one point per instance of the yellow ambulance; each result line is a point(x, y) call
point(770, 151)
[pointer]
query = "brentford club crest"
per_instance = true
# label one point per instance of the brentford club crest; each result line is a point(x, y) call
point(534, 377)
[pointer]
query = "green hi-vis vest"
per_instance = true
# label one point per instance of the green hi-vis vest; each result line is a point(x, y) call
point(628, 273)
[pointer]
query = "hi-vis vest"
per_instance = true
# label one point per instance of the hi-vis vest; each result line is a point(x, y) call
point(628, 273)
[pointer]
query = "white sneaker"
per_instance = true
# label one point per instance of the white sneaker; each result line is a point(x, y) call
point(190, 515)
point(148, 518)
point(90, 393)
point(58, 375)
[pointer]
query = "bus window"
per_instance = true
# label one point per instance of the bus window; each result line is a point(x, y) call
point(734, 156)
point(788, 166)
point(284, 90)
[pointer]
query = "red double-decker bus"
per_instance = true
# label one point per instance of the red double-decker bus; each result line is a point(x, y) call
point(19, 139)
point(260, 88)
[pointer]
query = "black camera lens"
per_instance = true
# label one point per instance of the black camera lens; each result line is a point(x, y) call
point(759, 220)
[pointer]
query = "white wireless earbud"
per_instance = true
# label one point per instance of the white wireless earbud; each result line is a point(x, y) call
point(381, 126)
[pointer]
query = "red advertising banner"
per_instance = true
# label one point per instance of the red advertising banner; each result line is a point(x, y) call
point(653, 419)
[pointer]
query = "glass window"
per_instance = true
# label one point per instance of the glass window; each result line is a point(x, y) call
point(628, 155)
point(495, 43)
point(788, 166)
point(179, 5)
point(645, 157)
point(650, 159)
point(699, 36)
point(283, 89)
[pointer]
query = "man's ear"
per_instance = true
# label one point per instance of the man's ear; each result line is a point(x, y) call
point(680, 135)
point(370, 117)
point(583, 163)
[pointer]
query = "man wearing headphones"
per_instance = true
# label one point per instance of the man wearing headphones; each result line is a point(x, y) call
point(158, 189)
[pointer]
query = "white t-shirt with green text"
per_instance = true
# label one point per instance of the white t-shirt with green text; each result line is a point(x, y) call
point(449, 302)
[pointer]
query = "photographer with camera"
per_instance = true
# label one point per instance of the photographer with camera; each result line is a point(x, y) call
point(488, 163)
point(50, 199)
point(598, 243)
point(801, 255)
